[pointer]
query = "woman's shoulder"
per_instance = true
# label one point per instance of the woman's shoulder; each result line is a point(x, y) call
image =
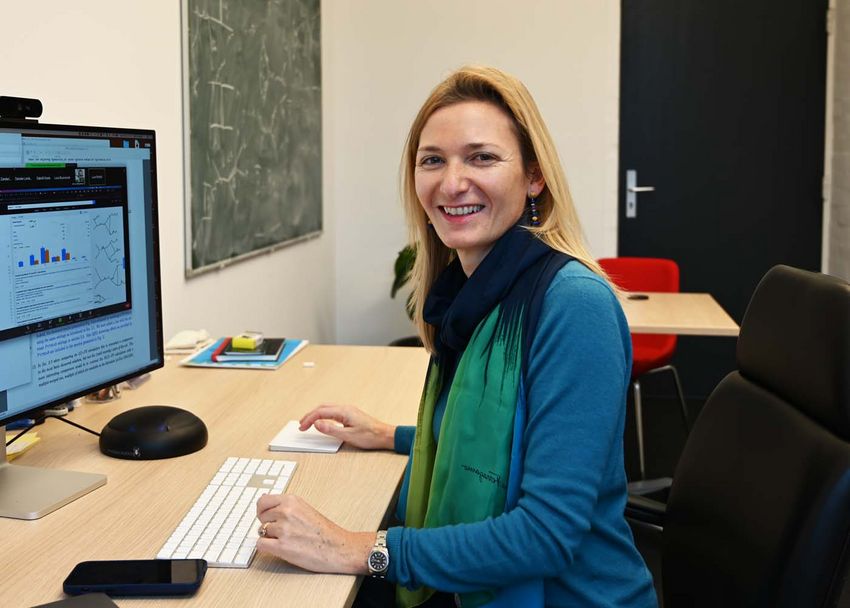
point(581, 314)
point(581, 331)
point(578, 282)
point(580, 301)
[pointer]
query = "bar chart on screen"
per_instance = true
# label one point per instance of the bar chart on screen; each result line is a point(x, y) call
point(64, 263)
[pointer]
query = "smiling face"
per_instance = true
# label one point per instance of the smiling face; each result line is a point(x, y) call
point(471, 179)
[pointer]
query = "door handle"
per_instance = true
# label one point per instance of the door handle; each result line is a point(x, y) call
point(632, 190)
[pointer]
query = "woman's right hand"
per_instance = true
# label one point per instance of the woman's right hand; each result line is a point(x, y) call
point(358, 429)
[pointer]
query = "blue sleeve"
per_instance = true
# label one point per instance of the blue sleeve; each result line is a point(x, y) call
point(404, 439)
point(404, 436)
point(577, 377)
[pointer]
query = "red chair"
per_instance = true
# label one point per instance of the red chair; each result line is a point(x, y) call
point(651, 353)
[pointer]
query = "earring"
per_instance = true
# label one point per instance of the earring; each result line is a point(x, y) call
point(532, 209)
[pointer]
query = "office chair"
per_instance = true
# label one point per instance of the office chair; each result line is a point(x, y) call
point(758, 513)
point(651, 353)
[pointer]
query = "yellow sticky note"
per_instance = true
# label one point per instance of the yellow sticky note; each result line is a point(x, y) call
point(21, 445)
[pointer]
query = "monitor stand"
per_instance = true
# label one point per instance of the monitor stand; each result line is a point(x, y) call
point(31, 492)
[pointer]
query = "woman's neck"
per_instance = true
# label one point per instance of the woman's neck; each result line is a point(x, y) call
point(470, 259)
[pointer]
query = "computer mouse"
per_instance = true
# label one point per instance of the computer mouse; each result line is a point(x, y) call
point(153, 432)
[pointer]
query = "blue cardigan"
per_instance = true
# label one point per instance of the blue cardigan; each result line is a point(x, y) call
point(564, 523)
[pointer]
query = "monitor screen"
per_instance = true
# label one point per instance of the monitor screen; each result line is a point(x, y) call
point(80, 305)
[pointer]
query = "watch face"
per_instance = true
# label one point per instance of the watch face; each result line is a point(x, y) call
point(378, 561)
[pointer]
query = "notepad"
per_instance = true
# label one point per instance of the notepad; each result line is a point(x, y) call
point(290, 439)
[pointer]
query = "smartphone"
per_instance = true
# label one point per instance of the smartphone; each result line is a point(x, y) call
point(137, 577)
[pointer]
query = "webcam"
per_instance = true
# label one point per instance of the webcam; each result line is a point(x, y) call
point(19, 108)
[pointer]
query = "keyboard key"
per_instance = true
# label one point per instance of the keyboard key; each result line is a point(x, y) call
point(244, 556)
point(252, 466)
point(227, 555)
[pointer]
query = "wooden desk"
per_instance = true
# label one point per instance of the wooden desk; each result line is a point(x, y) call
point(692, 314)
point(142, 502)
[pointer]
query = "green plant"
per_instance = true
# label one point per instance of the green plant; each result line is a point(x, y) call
point(403, 267)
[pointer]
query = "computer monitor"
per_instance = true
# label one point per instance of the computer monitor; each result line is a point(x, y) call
point(80, 308)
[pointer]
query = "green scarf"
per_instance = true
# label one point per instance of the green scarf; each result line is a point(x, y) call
point(465, 478)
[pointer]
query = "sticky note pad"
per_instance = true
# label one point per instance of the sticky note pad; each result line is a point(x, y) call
point(290, 439)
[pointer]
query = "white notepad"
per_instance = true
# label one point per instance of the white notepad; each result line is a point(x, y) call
point(290, 439)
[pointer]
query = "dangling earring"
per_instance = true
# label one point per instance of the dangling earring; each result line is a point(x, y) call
point(532, 209)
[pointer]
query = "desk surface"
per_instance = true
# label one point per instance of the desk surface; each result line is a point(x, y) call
point(142, 502)
point(693, 314)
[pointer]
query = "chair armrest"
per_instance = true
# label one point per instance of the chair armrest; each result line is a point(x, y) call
point(645, 510)
point(651, 487)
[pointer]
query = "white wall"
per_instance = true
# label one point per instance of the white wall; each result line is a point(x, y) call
point(838, 217)
point(384, 56)
point(103, 62)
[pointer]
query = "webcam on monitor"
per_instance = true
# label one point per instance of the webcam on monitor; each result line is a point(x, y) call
point(19, 108)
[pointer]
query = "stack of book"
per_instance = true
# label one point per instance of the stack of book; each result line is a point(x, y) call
point(268, 353)
point(261, 350)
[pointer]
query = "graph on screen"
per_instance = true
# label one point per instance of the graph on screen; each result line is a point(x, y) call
point(66, 262)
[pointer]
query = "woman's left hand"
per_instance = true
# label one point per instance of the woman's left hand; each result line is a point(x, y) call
point(297, 533)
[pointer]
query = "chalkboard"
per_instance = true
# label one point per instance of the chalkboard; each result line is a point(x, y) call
point(253, 127)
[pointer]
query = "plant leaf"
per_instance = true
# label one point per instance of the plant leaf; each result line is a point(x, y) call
point(403, 266)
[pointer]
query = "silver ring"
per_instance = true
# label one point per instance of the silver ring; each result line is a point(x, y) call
point(263, 531)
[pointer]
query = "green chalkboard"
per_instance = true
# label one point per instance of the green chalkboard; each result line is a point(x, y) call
point(252, 127)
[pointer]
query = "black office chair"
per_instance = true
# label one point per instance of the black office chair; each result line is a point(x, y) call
point(758, 513)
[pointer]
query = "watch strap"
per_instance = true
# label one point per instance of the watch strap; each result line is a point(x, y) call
point(381, 539)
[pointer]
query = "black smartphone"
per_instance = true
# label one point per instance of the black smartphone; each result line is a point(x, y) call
point(137, 577)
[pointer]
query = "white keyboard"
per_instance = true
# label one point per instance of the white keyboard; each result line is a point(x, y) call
point(221, 527)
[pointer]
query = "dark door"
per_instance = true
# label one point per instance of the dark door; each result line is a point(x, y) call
point(722, 112)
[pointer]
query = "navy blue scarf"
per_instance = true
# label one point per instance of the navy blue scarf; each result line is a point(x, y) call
point(511, 274)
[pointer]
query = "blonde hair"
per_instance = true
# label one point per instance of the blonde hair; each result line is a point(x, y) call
point(559, 225)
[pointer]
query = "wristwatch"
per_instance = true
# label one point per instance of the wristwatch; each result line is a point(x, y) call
point(379, 557)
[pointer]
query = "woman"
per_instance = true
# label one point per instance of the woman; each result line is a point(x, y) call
point(515, 490)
